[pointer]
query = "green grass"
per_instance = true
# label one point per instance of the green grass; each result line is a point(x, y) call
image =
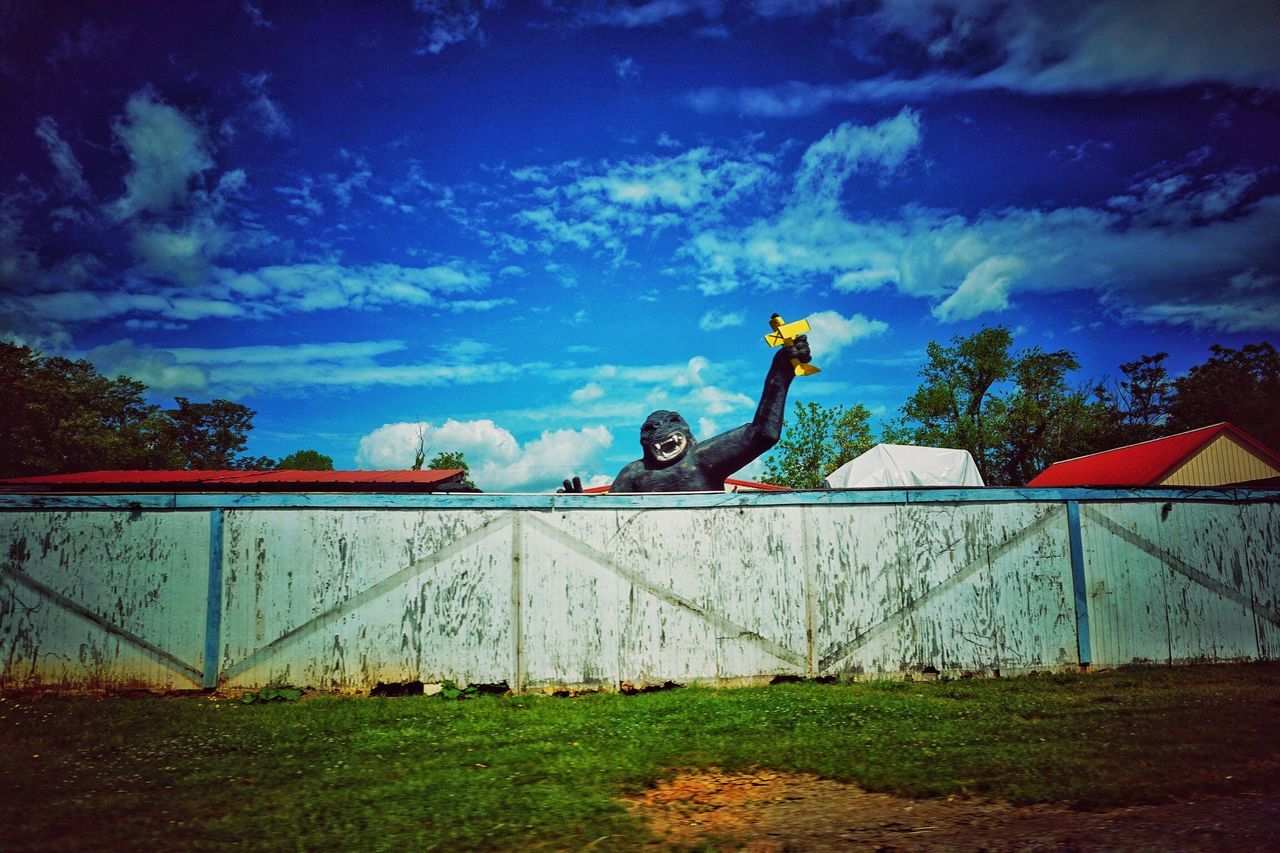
point(335, 772)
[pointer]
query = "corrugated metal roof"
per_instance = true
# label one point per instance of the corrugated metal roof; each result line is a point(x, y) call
point(1145, 463)
point(199, 481)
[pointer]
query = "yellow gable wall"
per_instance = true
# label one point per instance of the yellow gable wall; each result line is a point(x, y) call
point(1221, 461)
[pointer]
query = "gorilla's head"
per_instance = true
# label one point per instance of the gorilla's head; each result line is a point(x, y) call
point(665, 438)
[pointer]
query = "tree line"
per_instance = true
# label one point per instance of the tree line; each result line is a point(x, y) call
point(1017, 412)
point(63, 416)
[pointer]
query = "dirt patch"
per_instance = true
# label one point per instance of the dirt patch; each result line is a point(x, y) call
point(766, 811)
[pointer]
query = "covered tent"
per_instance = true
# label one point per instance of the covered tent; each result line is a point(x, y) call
point(905, 465)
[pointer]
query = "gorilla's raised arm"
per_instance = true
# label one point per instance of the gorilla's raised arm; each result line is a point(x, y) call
point(730, 451)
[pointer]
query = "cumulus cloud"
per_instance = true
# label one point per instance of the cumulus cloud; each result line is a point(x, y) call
point(1166, 252)
point(647, 13)
point(626, 67)
point(158, 369)
point(830, 162)
point(255, 16)
point(985, 288)
point(498, 462)
point(600, 206)
point(1036, 49)
point(832, 333)
point(167, 151)
point(316, 287)
point(285, 370)
point(587, 393)
point(713, 320)
point(264, 114)
point(70, 173)
point(447, 22)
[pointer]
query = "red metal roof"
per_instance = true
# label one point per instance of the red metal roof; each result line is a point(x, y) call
point(728, 481)
point(1146, 463)
point(231, 481)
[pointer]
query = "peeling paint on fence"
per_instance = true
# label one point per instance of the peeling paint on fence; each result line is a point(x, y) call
point(341, 592)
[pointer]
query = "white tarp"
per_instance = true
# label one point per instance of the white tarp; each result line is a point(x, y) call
point(904, 465)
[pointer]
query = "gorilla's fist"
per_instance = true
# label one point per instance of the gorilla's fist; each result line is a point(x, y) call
point(797, 350)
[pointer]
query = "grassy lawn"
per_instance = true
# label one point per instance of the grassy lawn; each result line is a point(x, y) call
point(423, 772)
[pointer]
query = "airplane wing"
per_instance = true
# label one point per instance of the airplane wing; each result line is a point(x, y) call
point(785, 332)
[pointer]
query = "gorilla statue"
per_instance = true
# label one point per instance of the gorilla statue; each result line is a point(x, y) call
point(674, 461)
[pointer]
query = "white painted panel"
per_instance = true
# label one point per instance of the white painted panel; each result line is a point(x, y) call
point(740, 567)
point(1209, 595)
point(968, 587)
point(570, 612)
point(143, 573)
point(1261, 523)
point(344, 599)
point(1126, 586)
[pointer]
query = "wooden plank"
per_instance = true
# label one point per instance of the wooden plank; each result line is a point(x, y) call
point(342, 600)
point(949, 589)
point(1127, 585)
point(102, 599)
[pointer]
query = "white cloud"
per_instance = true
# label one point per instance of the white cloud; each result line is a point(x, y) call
point(296, 369)
point(1041, 49)
point(598, 207)
point(831, 333)
point(1176, 241)
point(70, 172)
point(255, 16)
point(184, 254)
point(167, 151)
point(985, 288)
point(647, 13)
point(447, 22)
point(263, 113)
point(587, 393)
point(828, 163)
point(713, 320)
point(626, 67)
point(497, 460)
point(158, 369)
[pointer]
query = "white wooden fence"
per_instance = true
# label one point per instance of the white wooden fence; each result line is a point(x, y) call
point(344, 591)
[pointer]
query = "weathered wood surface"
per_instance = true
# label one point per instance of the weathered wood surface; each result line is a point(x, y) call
point(90, 599)
point(1181, 582)
point(574, 592)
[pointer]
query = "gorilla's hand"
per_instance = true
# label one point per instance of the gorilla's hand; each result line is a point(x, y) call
point(571, 487)
point(797, 350)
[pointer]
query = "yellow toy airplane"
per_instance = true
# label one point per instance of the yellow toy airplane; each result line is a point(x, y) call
point(784, 334)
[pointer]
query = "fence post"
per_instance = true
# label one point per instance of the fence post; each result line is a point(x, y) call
point(810, 597)
point(1083, 649)
point(517, 593)
point(213, 601)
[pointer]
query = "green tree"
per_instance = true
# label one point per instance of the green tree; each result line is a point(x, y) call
point(211, 436)
point(1043, 419)
point(955, 406)
point(1237, 385)
point(1014, 412)
point(448, 461)
point(63, 416)
point(305, 460)
point(815, 442)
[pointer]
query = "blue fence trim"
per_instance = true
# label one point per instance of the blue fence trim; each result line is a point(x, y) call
point(1078, 585)
point(559, 503)
point(213, 611)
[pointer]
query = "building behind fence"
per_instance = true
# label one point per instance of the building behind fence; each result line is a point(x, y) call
point(177, 591)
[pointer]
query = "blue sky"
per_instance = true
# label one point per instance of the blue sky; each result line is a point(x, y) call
point(520, 227)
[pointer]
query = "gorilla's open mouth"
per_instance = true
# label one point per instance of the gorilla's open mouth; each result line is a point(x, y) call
point(670, 447)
